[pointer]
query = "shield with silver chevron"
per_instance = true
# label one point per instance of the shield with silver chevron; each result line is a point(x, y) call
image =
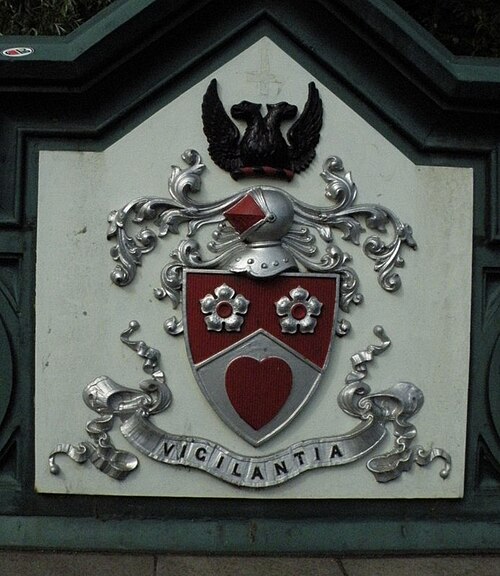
point(258, 347)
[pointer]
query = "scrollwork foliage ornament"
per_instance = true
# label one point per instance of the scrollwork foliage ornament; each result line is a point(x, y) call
point(395, 405)
point(109, 400)
point(307, 238)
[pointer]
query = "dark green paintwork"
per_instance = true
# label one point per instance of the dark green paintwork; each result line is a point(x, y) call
point(85, 91)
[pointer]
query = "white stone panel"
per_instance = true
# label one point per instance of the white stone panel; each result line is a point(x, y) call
point(80, 313)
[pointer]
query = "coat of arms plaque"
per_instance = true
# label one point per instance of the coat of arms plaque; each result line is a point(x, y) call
point(262, 303)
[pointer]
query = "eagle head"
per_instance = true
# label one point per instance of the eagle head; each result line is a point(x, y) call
point(282, 110)
point(245, 110)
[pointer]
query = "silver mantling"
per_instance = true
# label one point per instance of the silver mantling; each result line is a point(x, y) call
point(375, 411)
point(292, 235)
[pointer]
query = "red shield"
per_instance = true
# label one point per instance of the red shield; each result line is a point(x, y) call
point(258, 347)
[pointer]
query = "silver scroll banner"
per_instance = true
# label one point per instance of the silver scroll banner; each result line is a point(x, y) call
point(376, 411)
point(252, 472)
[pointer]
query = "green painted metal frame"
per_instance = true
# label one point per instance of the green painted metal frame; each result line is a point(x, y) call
point(88, 89)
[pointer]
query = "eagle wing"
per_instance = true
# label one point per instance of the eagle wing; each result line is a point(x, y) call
point(303, 136)
point(222, 134)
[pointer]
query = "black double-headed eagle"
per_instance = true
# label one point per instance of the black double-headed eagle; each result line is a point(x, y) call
point(262, 150)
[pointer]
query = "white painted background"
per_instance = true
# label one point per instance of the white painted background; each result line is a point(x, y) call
point(80, 313)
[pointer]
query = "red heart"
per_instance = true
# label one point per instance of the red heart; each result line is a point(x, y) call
point(258, 390)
